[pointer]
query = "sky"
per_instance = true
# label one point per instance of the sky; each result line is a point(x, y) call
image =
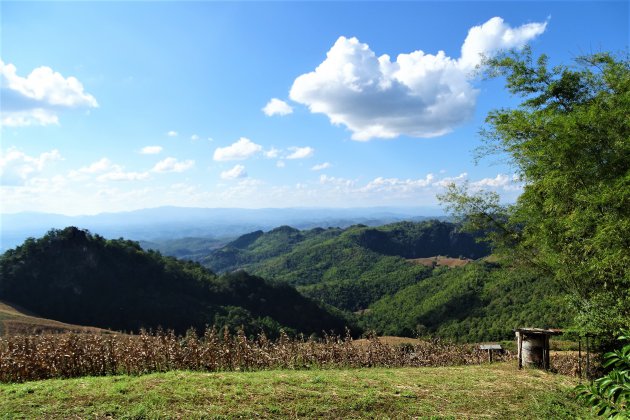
point(117, 106)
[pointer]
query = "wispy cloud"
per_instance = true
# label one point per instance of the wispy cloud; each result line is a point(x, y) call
point(272, 153)
point(321, 166)
point(171, 164)
point(120, 175)
point(238, 171)
point(300, 152)
point(16, 166)
point(151, 150)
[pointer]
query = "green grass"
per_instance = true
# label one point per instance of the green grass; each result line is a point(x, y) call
point(496, 391)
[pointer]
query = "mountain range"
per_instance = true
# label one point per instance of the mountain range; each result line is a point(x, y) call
point(164, 223)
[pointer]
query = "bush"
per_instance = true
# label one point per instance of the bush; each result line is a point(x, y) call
point(610, 394)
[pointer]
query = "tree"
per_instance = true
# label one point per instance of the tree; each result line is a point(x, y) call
point(569, 142)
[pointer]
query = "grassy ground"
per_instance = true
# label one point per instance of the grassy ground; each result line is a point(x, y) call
point(490, 391)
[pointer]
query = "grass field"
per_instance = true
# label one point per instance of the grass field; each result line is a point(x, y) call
point(487, 391)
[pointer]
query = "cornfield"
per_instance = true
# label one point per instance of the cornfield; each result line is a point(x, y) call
point(67, 355)
point(33, 357)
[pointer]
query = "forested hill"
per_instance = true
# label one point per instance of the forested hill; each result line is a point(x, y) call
point(348, 268)
point(73, 276)
point(403, 239)
point(477, 302)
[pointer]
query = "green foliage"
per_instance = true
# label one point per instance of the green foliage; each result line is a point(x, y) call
point(478, 302)
point(569, 143)
point(610, 395)
point(73, 276)
point(385, 277)
point(347, 268)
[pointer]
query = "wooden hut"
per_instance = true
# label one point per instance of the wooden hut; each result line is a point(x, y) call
point(533, 346)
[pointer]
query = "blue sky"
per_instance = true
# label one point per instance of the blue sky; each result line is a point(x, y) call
point(113, 106)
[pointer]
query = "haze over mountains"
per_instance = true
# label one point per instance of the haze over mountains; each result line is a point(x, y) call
point(180, 222)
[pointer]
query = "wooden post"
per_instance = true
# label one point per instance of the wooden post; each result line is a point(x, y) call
point(546, 353)
point(588, 359)
point(580, 357)
point(519, 336)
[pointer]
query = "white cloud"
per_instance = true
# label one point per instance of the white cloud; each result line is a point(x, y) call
point(108, 172)
point(339, 182)
point(119, 175)
point(300, 152)
point(170, 164)
point(495, 35)
point(151, 150)
point(238, 171)
point(277, 107)
point(452, 180)
point(272, 153)
point(321, 166)
point(99, 166)
point(16, 166)
point(172, 133)
point(417, 94)
point(280, 164)
point(242, 149)
point(194, 137)
point(381, 184)
point(501, 181)
point(37, 98)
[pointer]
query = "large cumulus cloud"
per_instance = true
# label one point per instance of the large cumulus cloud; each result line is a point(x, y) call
point(418, 94)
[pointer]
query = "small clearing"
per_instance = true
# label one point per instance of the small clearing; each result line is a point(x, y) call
point(440, 261)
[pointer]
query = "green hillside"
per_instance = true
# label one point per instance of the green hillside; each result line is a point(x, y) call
point(73, 276)
point(481, 301)
point(347, 268)
point(374, 271)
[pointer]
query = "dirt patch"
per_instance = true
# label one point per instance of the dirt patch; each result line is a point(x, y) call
point(15, 320)
point(440, 261)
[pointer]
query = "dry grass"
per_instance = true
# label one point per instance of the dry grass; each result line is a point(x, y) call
point(25, 357)
point(15, 320)
point(389, 340)
point(440, 261)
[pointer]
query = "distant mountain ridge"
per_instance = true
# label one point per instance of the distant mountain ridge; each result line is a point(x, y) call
point(179, 222)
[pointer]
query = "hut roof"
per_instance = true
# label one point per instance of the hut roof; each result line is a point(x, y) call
point(543, 331)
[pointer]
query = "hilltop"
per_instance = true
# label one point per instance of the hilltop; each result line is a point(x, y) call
point(73, 276)
point(348, 268)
